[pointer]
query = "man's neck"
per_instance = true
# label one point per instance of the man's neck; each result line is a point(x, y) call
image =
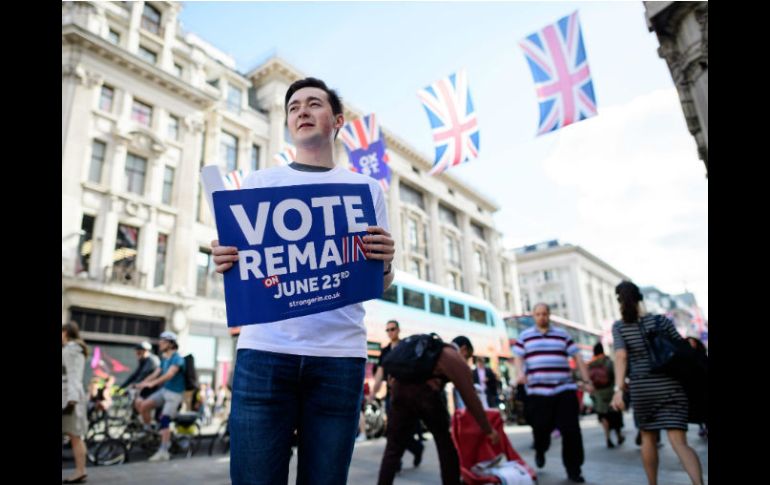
point(544, 328)
point(393, 343)
point(322, 156)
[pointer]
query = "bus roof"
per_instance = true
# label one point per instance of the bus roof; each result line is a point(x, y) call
point(406, 278)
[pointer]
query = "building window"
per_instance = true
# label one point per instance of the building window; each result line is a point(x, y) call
point(97, 161)
point(178, 70)
point(411, 196)
point(234, 96)
point(106, 98)
point(141, 113)
point(173, 127)
point(148, 55)
point(447, 215)
point(168, 184)
point(229, 151)
point(412, 232)
point(85, 245)
point(136, 168)
point(454, 281)
point(452, 250)
point(477, 230)
point(113, 37)
point(160, 260)
point(209, 282)
point(483, 291)
point(548, 275)
point(151, 19)
point(124, 257)
point(254, 157)
point(415, 268)
point(481, 263)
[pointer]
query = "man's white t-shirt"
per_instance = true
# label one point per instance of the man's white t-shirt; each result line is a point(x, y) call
point(334, 333)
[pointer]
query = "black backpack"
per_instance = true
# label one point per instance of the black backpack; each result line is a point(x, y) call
point(190, 374)
point(414, 358)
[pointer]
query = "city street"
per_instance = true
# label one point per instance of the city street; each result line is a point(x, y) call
point(603, 466)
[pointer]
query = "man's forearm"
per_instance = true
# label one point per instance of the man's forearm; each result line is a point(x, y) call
point(458, 372)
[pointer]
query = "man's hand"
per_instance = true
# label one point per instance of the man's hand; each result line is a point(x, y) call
point(378, 245)
point(522, 379)
point(589, 387)
point(224, 256)
point(494, 437)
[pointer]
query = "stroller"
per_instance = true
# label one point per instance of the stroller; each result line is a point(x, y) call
point(473, 446)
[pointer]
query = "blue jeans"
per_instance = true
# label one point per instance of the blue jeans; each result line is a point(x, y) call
point(274, 394)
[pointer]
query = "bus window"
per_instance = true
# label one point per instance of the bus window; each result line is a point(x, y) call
point(415, 299)
point(457, 310)
point(477, 315)
point(391, 294)
point(437, 305)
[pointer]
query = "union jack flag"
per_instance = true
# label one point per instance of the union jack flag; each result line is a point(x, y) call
point(453, 121)
point(363, 141)
point(557, 58)
point(234, 179)
point(287, 155)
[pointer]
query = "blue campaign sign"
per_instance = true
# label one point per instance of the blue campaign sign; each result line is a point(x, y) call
point(371, 161)
point(300, 250)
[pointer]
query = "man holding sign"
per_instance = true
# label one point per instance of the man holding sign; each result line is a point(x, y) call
point(304, 372)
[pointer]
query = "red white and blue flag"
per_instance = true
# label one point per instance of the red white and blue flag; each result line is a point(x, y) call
point(453, 121)
point(365, 145)
point(287, 155)
point(234, 179)
point(557, 58)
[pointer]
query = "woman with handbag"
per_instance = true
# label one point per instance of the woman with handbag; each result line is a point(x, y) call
point(660, 401)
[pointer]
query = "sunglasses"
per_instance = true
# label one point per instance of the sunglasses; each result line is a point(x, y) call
point(391, 329)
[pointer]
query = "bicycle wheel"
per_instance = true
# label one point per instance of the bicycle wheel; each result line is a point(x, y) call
point(220, 443)
point(110, 452)
point(92, 443)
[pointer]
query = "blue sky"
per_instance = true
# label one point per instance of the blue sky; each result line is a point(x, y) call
point(626, 185)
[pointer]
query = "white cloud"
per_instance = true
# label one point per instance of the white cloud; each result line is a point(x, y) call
point(642, 196)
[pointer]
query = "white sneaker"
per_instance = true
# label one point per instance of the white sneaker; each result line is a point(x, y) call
point(360, 438)
point(160, 455)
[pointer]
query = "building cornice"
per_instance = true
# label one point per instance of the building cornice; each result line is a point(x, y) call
point(72, 35)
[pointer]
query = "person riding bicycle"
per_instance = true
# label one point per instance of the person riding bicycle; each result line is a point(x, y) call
point(147, 362)
point(170, 375)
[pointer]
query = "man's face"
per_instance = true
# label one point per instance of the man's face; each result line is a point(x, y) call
point(164, 345)
point(542, 315)
point(392, 331)
point(465, 352)
point(310, 118)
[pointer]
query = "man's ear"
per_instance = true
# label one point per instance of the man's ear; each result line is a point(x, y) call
point(339, 121)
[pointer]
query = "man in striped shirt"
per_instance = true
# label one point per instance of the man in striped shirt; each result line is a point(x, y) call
point(542, 356)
